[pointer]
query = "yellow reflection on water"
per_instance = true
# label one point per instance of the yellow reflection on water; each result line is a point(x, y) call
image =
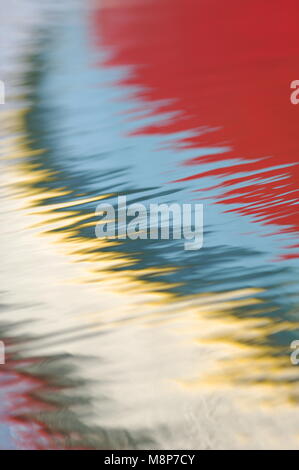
point(203, 345)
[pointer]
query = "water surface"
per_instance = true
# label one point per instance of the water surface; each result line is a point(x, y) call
point(140, 344)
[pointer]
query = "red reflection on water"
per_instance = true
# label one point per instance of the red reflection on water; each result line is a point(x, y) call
point(228, 65)
point(24, 411)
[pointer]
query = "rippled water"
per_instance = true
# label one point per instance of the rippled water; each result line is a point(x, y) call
point(138, 343)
